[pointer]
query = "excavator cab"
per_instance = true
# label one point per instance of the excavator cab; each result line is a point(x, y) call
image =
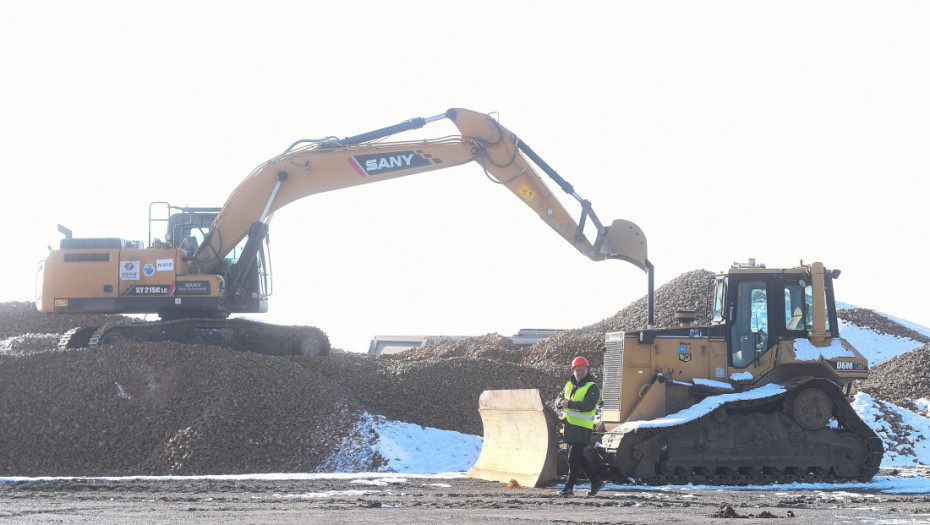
point(186, 229)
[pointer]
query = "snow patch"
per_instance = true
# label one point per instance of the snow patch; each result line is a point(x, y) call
point(402, 447)
point(903, 432)
point(806, 351)
point(876, 347)
point(714, 384)
point(706, 406)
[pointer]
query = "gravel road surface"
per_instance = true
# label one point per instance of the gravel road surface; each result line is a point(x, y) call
point(433, 500)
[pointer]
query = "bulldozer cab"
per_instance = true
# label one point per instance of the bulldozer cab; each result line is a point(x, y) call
point(761, 307)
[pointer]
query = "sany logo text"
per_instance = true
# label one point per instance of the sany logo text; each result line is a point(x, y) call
point(378, 163)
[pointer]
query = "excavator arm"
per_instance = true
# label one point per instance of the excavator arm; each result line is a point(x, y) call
point(329, 164)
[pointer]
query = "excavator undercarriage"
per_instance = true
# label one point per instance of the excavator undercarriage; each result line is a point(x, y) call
point(239, 334)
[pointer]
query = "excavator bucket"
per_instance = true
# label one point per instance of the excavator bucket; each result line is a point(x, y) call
point(625, 240)
point(519, 438)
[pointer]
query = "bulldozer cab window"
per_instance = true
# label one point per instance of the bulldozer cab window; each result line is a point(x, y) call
point(795, 306)
point(809, 308)
point(749, 323)
point(720, 292)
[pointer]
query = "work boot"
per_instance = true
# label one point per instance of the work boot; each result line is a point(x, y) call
point(596, 486)
point(567, 492)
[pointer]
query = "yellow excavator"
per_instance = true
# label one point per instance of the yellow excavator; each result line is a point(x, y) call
point(755, 396)
point(214, 262)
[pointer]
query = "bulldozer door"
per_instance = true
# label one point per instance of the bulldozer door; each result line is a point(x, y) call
point(748, 322)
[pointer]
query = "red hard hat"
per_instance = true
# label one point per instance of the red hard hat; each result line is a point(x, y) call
point(580, 361)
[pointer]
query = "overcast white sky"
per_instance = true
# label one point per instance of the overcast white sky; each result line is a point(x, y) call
point(726, 130)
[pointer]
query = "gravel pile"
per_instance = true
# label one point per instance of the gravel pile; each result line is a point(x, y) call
point(688, 291)
point(19, 318)
point(900, 380)
point(879, 323)
point(169, 408)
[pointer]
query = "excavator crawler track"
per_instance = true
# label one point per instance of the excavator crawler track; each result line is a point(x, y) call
point(239, 334)
point(783, 438)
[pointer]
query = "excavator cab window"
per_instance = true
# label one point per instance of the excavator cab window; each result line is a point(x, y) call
point(233, 256)
point(749, 332)
point(258, 281)
point(187, 228)
point(264, 269)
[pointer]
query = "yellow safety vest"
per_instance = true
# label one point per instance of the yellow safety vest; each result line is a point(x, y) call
point(575, 417)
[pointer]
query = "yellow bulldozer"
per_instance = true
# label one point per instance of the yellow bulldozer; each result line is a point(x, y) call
point(754, 396)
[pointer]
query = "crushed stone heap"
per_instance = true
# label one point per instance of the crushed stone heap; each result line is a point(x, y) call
point(901, 380)
point(878, 323)
point(167, 408)
point(19, 318)
point(163, 409)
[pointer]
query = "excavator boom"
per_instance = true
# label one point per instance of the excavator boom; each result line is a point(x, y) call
point(332, 164)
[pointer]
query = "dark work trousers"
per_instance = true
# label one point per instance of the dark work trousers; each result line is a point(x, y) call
point(578, 463)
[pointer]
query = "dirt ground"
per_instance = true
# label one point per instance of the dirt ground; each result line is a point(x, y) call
point(432, 500)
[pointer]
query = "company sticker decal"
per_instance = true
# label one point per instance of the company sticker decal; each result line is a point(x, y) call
point(164, 265)
point(380, 163)
point(526, 192)
point(193, 288)
point(684, 352)
point(148, 270)
point(129, 270)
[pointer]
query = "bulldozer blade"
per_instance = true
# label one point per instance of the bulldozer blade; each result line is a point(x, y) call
point(625, 240)
point(519, 438)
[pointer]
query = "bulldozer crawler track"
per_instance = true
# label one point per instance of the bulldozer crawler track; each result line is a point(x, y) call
point(644, 455)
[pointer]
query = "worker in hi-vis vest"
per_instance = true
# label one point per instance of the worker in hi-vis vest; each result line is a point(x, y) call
point(579, 403)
